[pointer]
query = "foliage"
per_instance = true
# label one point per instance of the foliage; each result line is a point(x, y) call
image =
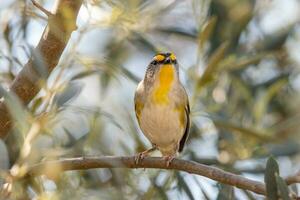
point(240, 70)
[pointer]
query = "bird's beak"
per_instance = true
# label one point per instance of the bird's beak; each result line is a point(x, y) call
point(167, 60)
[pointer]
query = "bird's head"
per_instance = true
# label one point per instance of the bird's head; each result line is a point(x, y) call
point(163, 67)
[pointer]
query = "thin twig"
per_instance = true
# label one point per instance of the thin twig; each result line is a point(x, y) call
point(210, 172)
point(41, 8)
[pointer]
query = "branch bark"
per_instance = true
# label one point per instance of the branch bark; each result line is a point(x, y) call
point(82, 163)
point(45, 57)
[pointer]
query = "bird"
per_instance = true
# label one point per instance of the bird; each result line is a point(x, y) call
point(162, 108)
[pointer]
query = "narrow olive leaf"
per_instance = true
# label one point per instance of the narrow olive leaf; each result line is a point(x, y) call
point(96, 111)
point(249, 195)
point(139, 38)
point(203, 191)
point(275, 40)
point(242, 88)
point(16, 110)
point(130, 75)
point(39, 65)
point(212, 65)
point(206, 31)
point(71, 139)
point(36, 104)
point(182, 185)
point(251, 132)
point(283, 189)
point(261, 105)
point(105, 80)
point(272, 170)
point(84, 74)
point(162, 192)
point(178, 31)
point(71, 91)
point(245, 61)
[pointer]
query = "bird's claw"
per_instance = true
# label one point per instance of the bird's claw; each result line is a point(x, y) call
point(142, 155)
point(139, 157)
point(169, 159)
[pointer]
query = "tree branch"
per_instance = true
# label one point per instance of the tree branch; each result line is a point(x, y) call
point(293, 179)
point(41, 8)
point(210, 172)
point(44, 58)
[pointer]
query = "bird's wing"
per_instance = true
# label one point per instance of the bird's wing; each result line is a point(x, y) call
point(187, 127)
point(139, 100)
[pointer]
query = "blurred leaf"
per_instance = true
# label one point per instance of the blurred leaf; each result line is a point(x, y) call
point(203, 191)
point(39, 65)
point(242, 88)
point(249, 195)
point(225, 192)
point(71, 91)
point(294, 188)
point(272, 170)
point(233, 63)
point(282, 187)
point(206, 31)
point(178, 31)
point(130, 75)
point(243, 130)
point(4, 158)
point(286, 148)
point(36, 104)
point(182, 185)
point(104, 79)
point(16, 110)
point(146, 43)
point(85, 73)
point(77, 144)
point(97, 111)
point(212, 66)
point(261, 104)
point(276, 40)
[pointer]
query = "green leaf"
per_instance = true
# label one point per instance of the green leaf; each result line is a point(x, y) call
point(71, 91)
point(282, 187)
point(272, 170)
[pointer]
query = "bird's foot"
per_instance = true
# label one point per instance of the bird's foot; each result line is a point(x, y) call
point(140, 156)
point(169, 159)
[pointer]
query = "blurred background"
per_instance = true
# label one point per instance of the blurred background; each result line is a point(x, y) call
point(239, 61)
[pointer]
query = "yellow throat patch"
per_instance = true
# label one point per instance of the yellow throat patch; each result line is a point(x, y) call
point(166, 77)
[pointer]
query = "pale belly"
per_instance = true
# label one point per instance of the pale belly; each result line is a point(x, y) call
point(161, 125)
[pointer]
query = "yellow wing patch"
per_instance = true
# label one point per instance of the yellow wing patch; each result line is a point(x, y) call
point(159, 57)
point(173, 57)
point(182, 115)
point(138, 109)
point(166, 77)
